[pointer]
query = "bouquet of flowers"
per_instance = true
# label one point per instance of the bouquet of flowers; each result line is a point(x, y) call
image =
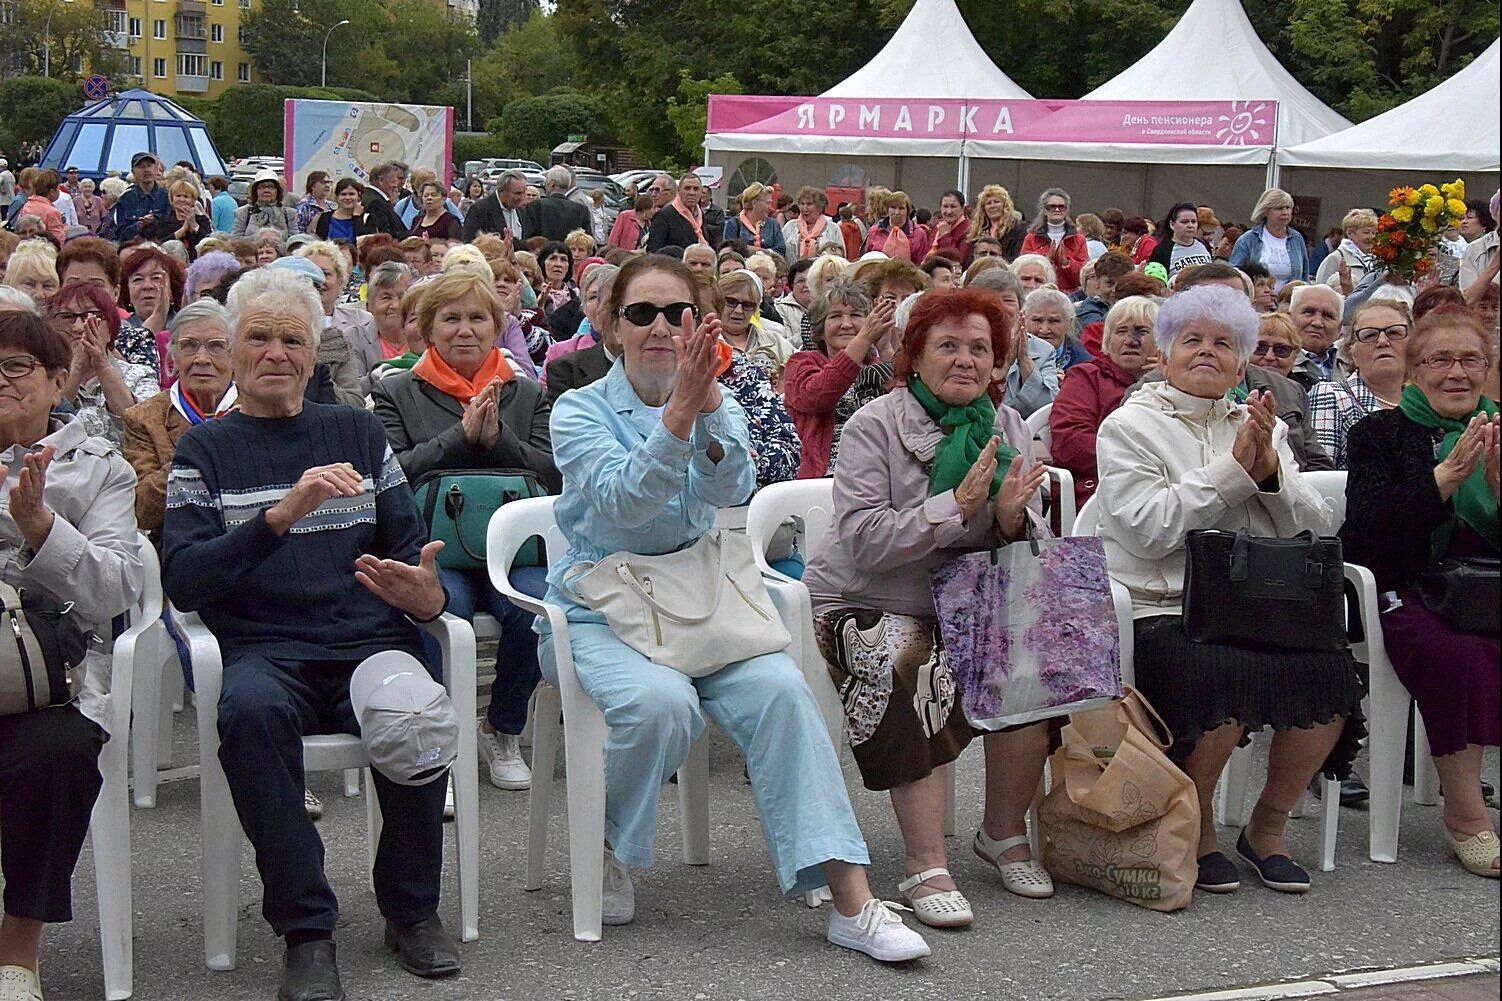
point(1412, 225)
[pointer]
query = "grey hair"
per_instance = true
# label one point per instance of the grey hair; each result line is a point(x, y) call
point(1045, 296)
point(599, 274)
point(379, 172)
point(1318, 288)
point(837, 290)
point(197, 311)
point(1132, 309)
point(388, 274)
point(999, 280)
point(1344, 344)
point(507, 176)
point(282, 292)
point(1048, 268)
point(15, 299)
point(113, 186)
point(559, 176)
point(1271, 198)
point(1213, 304)
point(1040, 219)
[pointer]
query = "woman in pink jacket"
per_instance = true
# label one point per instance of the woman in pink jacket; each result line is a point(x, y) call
point(1055, 237)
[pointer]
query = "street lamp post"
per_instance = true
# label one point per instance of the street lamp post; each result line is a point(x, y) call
point(47, 42)
point(323, 77)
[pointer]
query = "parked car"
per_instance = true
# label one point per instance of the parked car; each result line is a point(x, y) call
point(641, 178)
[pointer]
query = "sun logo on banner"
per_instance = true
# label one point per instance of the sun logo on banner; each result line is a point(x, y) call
point(1244, 125)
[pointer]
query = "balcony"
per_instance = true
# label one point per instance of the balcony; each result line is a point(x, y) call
point(192, 84)
point(190, 28)
point(115, 40)
point(192, 8)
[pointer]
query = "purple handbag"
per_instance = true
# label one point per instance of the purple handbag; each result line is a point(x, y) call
point(1029, 630)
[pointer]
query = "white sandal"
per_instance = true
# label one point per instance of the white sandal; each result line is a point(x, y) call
point(943, 909)
point(1477, 853)
point(1026, 879)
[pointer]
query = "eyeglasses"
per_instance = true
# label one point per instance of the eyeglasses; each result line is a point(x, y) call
point(18, 366)
point(644, 314)
point(1443, 363)
point(1396, 332)
point(734, 304)
point(1056, 207)
point(216, 348)
point(1278, 351)
point(655, 191)
point(68, 319)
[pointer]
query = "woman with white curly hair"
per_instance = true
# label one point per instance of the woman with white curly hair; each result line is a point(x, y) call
point(1181, 455)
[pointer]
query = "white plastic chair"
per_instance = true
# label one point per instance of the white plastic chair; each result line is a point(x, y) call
point(1058, 489)
point(221, 831)
point(109, 824)
point(1037, 423)
point(584, 733)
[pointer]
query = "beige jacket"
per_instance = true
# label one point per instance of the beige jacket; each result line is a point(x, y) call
point(1166, 469)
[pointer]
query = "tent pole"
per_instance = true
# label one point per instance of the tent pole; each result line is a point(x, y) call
point(962, 178)
point(1272, 167)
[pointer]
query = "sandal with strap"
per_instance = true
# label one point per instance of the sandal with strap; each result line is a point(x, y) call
point(1477, 853)
point(941, 909)
point(1026, 879)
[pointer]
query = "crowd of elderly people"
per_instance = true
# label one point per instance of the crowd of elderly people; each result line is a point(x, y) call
point(264, 415)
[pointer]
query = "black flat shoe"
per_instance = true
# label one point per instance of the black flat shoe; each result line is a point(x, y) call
point(1277, 872)
point(311, 973)
point(424, 949)
point(1217, 874)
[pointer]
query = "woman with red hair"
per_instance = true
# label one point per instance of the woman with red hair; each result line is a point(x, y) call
point(151, 287)
point(101, 384)
point(928, 471)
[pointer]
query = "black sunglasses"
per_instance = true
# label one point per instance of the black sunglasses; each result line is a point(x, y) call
point(644, 314)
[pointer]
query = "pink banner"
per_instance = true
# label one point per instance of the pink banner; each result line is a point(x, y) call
point(1178, 123)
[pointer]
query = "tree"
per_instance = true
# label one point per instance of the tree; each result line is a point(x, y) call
point(689, 111)
point(68, 38)
point(534, 125)
point(284, 38)
point(529, 59)
point(496, 17)
point(32, 107)
point(428, 48)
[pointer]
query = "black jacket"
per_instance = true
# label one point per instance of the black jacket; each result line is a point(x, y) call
point(487, 215)
point(576, 370)
point(554, 216)
point(380, 216)
point(669, 229)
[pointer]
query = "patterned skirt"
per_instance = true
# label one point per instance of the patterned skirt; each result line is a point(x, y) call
point(901, 713)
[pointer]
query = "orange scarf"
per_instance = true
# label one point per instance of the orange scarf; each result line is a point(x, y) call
point(694, 216)
point(754, 229)
point(436, 372)
point(808, 237)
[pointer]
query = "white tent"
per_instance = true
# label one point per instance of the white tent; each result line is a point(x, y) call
point(1419, 135)
point(908, 67)
point(1214, 54)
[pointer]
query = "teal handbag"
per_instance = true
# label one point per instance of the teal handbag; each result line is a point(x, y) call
point(457, 505)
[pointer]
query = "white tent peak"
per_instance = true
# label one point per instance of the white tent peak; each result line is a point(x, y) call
point(1214, 54)
point(933, 54)
point(1405, 136)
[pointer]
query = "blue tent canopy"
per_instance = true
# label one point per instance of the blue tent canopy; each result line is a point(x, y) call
point(104, 135)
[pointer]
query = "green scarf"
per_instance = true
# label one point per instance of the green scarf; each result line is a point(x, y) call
point(966, 431)
point(1473, 501)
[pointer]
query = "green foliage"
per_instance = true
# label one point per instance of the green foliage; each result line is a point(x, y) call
point(532, 125)
point(496, 17)
point(689, 110)
point(32, 107)
point(529, 59)
point(58, 35)
point(248, 120)
point(478, 146)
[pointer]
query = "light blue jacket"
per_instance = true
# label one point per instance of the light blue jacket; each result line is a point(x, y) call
point(631, 484)
point(1041, 386)
point(1249, 248)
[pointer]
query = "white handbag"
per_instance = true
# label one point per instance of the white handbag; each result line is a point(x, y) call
point(695, 610)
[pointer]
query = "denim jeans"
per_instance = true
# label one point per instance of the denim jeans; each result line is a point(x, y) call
point(516, 672)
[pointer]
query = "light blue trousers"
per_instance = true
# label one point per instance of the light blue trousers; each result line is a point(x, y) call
point(656, 713)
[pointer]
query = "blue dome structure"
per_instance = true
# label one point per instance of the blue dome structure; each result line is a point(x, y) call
point(104, 135)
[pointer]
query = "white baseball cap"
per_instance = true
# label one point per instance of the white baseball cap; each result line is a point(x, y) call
point(406, 719)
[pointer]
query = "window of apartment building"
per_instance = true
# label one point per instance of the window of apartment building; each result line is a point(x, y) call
point(159, 68)
point(135, 27)
point(192, 64)
point(159, 29)
point(216, 32)
point(117, 22)
point(240, 34)
point(216, 70)
point(242, 73)
point(135, 65)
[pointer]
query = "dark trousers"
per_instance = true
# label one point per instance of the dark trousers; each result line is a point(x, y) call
point(265, 709)
point(516, 670)
point(49, 779)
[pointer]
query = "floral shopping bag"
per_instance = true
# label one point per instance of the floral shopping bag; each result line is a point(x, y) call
point(1029, 630)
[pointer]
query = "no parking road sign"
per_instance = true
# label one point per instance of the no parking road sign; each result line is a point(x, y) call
point(96, 87)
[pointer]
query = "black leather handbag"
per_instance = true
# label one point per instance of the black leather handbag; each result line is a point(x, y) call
point(1465, 593)
point(1278, 594)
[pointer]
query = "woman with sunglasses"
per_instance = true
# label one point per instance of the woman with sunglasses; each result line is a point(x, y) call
point(1373, 352)
point(753, 339)
point(1278, 344)
point(1423, 488)
point(648, 454)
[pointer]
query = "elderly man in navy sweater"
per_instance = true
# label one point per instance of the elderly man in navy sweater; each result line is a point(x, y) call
point(292, 531)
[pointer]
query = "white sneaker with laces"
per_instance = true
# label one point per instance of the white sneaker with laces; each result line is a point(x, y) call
point(312, 804)
point(502, 752)
point(19, 984)
point(618, 903)
point(878, 932)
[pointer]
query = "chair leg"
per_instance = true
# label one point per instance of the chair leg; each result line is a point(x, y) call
point(351, 783)
point(1387, 723)
point(546, 708)
point(1329, 822)
point(147, 697)
point(109, 832)
point(467, 833)
point(949, 780)
point(221, 862)
point(373, 823)
point(584, 750)
point(1230, 793)
point(693, 802)
point(172, 681)
point(1426, 789)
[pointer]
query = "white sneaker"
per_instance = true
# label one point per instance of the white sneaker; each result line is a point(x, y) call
point(618, 903)
point(312, 804)
point(448, 800)
point(878, 932)
point(502, 752)
point(19, 984)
